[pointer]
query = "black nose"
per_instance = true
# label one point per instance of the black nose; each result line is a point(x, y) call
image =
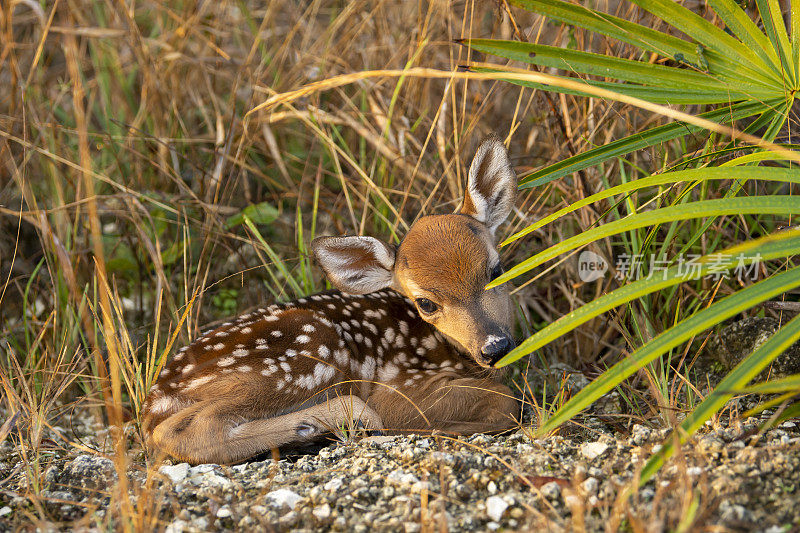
point(495, 348)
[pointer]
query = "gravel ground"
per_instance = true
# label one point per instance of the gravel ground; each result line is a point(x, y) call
point(729, 477)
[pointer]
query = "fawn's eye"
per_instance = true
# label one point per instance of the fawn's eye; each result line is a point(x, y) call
point(426, 306)
point(496, 271)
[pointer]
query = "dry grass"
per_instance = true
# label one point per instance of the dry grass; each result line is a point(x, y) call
point(128, 153)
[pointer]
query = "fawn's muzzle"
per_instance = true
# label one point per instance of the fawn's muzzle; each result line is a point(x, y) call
point(495, 348)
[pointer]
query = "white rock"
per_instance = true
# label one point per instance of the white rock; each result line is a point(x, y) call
point(401, 478)
point(223, 512)
point(176, 473)
point(283, 497)
point(495, 507)
point(177, 526)
point(201, 469)
point(210, 478)
point(590, 485)
point(5, 510)
point(593, 450)
point(333, 484)
point(321, 512)
point(259, 509)
point(551, 490)
point(492, 487)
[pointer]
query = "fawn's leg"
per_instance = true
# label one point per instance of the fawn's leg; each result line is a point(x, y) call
point(215, 431)
point(451, 404)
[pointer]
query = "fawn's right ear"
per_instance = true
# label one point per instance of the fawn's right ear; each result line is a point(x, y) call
point(491, 186)
point(355, 265)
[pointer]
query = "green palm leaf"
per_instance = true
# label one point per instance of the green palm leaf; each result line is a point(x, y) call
point(783, 244)
point(764, 205)
point(673, 337)
point(736, 379)
point(702, 174)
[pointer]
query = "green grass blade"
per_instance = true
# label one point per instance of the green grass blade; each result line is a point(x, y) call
point(718, 45)
point(761, 205)
point(274, 257)
point(774, 386)
point(772, 18)
point(784, 244)
point(645, 38)
point(736, 379)
point(769, 404)
point(658, 95)
point(673, 337)
point(793, 411)
point(746, 30)
point(638, 141)
point(701, 174)
point(609, 67)
point(795, 14)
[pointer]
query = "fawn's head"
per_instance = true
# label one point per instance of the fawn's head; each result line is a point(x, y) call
point(444, 262)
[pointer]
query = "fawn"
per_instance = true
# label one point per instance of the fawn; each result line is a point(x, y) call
point(406, 346)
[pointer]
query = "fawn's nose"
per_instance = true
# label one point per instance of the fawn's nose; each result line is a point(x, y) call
point(495, 348)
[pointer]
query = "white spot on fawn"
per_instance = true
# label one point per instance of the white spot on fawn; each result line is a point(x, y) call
point(188, 368)
point(308, 328)
point(219, 346)
point(322, 373)
point(165, 404)
point(199, 381)
point(240, 352)
point(302, 339)
point(246, 331)
point(341, 356)
point(323, 351)
point(227, 361)
point(368, 368)
point(429, 342)
point(277, 333)
point(388, 372)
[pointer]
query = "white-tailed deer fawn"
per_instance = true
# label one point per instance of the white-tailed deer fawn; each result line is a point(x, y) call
point(406, 346)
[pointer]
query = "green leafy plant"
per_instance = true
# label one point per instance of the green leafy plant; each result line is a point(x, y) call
point(745, 73)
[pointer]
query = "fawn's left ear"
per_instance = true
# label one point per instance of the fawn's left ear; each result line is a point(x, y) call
point(492, 185)
point(355, 265)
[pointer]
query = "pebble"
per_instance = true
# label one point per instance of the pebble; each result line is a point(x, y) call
point(593, 450)
point(284, 497)
point(176, 473)
point(551, 490)
point(334, 484)
point(495, 507)
point(322, 512)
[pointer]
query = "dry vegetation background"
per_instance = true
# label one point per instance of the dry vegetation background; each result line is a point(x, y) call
point(127, 162)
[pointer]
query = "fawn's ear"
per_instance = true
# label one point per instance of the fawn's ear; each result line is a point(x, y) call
point(355, 265)
point(492, 185)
